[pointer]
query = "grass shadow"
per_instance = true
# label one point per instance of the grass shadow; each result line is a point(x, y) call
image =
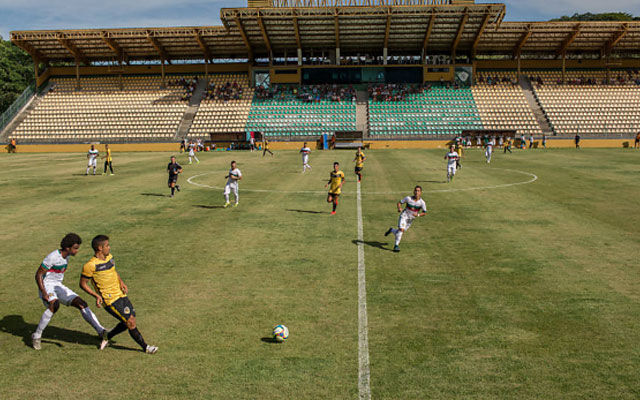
point(207, 207)
point(86, 174)
point(17, 326)
point(270, 340)
point(432, 181)
point(379, 245)
point(154, 194)
point(307, 211)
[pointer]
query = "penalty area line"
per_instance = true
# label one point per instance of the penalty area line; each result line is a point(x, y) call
point(364, 374)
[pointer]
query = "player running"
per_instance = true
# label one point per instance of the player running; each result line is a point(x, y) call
point(305, 150)
point(111, 292)
point(232, 184)
point(192, 153)
point(108, 160)
point(174, 169)
point(452, 159)
point(416, 207)
point(265, 148)
point(359, 160)
point(49, 278)
point(336, 180)
point(92, 156)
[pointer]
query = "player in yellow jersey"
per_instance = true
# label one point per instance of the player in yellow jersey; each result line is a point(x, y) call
point(265, 148)
point(111, 292)
point(458, 149)
point(336, 180)
point(107, 160)
point(359, 160)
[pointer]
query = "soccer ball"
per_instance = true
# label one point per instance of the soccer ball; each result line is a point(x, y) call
point(280, 333)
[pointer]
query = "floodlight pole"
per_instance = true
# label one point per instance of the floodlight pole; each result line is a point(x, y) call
point(299, 56)
point(206, 70)
point(564, 66)
point(36, 67)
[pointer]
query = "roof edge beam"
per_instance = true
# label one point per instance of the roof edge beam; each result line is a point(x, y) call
point(245, 39)
point(114, 46)
point(523, 40)
point(263, 30)
point(336, 27)
point(463, 22)
point(427, 34)
point(296, 29)
point(387, 29)
point(483, 26)
point(567, 42)
point(617, 37)
point(75, 52)
point(203, 45)
point(156, 45)
point(28, 47)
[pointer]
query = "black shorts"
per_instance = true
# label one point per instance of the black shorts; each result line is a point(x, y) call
point(122, 309)
point(333, 194)
point(358, 169)
point(173, 179)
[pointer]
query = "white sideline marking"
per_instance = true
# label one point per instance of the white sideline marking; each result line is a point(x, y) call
point(364, 388)
point(504, 185)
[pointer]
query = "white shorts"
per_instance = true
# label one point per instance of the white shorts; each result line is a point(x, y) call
point(305, 160)
point(487, 152)
point(404, 222)
point(228, 188)
point(451, 170)
point(60, 292)
point(191, 153)
point(92, 162)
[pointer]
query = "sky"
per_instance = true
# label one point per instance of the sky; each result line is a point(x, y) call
point(78, 14)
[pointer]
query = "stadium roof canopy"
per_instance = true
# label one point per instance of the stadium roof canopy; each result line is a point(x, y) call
point(355, 26)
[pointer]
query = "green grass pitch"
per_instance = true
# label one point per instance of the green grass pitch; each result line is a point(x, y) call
point(505, 290)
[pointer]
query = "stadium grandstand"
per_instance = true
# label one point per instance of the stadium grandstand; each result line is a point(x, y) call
point(298, 69)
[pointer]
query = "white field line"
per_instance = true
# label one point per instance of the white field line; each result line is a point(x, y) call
point(364, 385)
point(532, 179)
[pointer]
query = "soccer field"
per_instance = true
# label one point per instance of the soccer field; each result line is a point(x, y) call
point(522, 281)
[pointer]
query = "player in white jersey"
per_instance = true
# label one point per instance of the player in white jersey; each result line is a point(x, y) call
point(192, 153)
point(489, 150)
point(92, 156)
point(452, 158)
point(52, 292)
point(416, 207)
point(252, 144)
point(232, 184)
point(305, 157)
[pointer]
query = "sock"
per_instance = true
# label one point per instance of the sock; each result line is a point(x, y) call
point(398, 237)
point(226, 198)
point(237, 199)
point(87, 173)
point(135, 334)
point(44, 321)
point(335, 204)
point(173, 190)
point(121, 327)
point(91, 318)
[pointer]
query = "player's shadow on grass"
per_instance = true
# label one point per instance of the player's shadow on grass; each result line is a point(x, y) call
point(154, 194)
point(17, 326)
point(206, 206)
point(379, 245)
point(306, 211)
